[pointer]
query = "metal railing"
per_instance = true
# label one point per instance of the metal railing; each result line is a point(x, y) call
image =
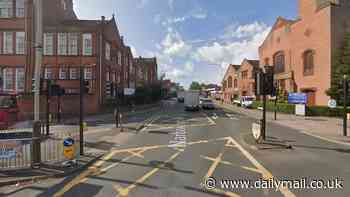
point(16, 152)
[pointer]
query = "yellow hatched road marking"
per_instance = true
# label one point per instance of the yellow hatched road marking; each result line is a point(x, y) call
point(126, 191)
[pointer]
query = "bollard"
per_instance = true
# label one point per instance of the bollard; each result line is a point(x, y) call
point(36, 150)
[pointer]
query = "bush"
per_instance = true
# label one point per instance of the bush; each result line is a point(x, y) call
point(281, 107)
point(310, 111)
point(325, 111)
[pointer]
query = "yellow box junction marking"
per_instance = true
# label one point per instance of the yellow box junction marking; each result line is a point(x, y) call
point(125, 191)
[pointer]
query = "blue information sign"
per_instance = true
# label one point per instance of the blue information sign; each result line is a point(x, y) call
point(297, 98)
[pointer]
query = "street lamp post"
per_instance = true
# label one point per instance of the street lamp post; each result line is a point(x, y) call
point(38, 4)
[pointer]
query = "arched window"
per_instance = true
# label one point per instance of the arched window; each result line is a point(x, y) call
point(279, 62)
point(308, 61)
point(229, 82)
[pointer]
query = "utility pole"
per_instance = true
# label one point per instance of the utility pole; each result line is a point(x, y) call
point(276, 99)
point(81, 115)
point(345, 118)
point(263, 133)
point(38, 14)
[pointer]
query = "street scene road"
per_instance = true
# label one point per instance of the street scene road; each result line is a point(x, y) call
point(182, 153)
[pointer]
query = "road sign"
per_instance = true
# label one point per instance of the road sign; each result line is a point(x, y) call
point(297, 98)
point(332, 103)
point(129, 91)
point(68, 148)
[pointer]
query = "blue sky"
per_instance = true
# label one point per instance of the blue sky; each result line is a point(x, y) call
point(194, 40)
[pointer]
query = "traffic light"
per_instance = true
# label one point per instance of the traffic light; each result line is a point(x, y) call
point(269, 84)
point(259, 81)
point(108, 88)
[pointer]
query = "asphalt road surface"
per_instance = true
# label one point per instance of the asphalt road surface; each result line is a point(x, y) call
point(206, 153)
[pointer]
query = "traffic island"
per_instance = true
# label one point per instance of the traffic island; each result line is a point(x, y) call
point(270, 143)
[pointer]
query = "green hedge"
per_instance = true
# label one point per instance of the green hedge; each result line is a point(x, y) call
point(310, 111)
point(325, 111)
point(281, 107)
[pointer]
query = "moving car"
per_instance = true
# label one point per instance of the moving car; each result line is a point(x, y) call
point(181, 96)
point(192, 100)
point(207, 103)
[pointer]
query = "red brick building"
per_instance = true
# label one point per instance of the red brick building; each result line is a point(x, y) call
point(68, 44)
point(239, 80)
point(302, 50)
point(246, 80)
point(147, 71)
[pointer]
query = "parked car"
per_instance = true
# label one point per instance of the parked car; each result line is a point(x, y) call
point(247, 101)
point(207, 103)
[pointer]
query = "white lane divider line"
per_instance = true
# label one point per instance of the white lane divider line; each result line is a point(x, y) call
point(232, 117)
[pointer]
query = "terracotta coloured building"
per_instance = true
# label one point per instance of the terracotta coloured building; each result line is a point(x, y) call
point(301, 50)
point(68, 44)
point(230, 83)
point(246, 82)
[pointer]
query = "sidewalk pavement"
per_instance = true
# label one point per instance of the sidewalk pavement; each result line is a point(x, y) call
point(96, 146)
point(325, 128)
point(22, 177)
point(126, 111)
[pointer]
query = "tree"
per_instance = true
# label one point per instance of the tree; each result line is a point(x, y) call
point(340, 67)
point(195, 86)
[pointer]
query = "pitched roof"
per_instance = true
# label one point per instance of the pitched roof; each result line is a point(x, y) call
point(254, 63)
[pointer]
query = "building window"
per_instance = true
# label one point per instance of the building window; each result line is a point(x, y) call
point(87, 44)
point(308, 61)
point(6, 8)
point(48, 44)
point(20, 43)
point(73, 74)
point(279, 62)
point(88, 73)
point(235, 83)
point(108, 51)
point(48, 73)
point(62, 43)
point(229, 82)
point(8, 43)
point(8, 79)
point(20, 79)
point(63, 73)
point(72, 43)
point(19, 8)
point(245, 74)
point(119, 58)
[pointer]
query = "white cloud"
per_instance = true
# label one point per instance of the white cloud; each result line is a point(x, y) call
point(173, 45)
point(244, 31)
point(234, 52)
point(134, 51)
point(197, 13)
